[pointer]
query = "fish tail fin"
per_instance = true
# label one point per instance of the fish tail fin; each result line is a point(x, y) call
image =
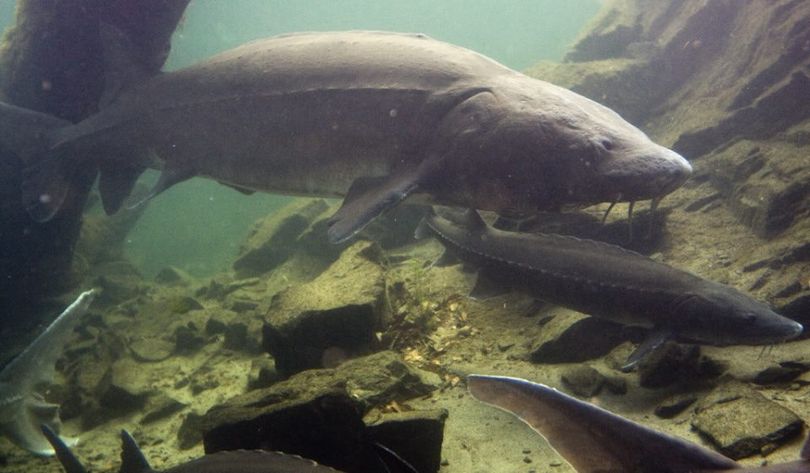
point(132, 459)
point(32, 137)
point(69, 462)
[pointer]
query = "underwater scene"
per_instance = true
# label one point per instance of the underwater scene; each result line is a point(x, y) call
point(269, 236)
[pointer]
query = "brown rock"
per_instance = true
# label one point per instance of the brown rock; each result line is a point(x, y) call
point(335, 315)
point(740, 422)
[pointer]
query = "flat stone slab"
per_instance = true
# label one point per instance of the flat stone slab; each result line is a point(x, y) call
point(334, 317)
point(741, 422)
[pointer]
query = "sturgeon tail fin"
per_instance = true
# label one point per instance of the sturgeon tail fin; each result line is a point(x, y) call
point(46, 177)
point(69, 462)
point(132, 459)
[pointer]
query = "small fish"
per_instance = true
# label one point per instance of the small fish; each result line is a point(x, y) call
point(594, 440)
point(22, 408)
point(610, 282)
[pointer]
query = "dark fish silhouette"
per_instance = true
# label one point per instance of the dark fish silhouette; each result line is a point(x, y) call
point(235, 461)
point(594, 440)
point(375, 117)
point(238, 461)
point(610, 282)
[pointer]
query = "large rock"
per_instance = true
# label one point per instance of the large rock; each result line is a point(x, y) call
point(317, 413)
point(673, 68)
point(741, 422)
point(274, 239)
point(573, 338)
point(416, 436)
point(330, 318)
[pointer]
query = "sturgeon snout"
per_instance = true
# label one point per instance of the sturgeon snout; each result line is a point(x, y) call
point(650, 176)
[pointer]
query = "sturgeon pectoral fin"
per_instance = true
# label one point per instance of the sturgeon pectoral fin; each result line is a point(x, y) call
point(654, 341)
point(115, 184)
point(168, 178)
point(368, 198)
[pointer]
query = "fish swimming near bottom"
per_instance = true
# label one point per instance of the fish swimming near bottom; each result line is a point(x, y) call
point(238, 461)
point(610, 282)
point(594, 440)
point(235, 461)
point(22, 408)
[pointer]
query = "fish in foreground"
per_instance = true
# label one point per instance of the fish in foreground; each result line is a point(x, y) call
point(22, 408)
point(372, 116)
point(595, 440)
point(610, 282)
point(236, 461)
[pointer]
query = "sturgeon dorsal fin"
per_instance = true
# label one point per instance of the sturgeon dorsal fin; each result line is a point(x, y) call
point(472, 220)
point(132, 459)
point(121, 67)
point(69, 462)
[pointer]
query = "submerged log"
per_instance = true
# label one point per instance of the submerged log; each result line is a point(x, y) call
point(51, 60)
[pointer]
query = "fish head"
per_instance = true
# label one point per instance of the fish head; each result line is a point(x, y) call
point(721, 315)
point(546, 148)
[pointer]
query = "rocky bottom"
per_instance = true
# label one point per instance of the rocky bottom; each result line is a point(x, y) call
point(375, 338)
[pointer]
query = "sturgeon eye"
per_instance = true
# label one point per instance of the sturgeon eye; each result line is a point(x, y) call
point(607, 144)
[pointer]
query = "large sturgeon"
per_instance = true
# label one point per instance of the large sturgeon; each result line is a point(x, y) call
point(372, 116)
point(610, 282)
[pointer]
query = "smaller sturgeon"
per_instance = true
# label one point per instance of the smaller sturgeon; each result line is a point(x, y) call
point(610, 282)
point(594, 440)
point(235, 461)
point(22, 408)
point(239, 461)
